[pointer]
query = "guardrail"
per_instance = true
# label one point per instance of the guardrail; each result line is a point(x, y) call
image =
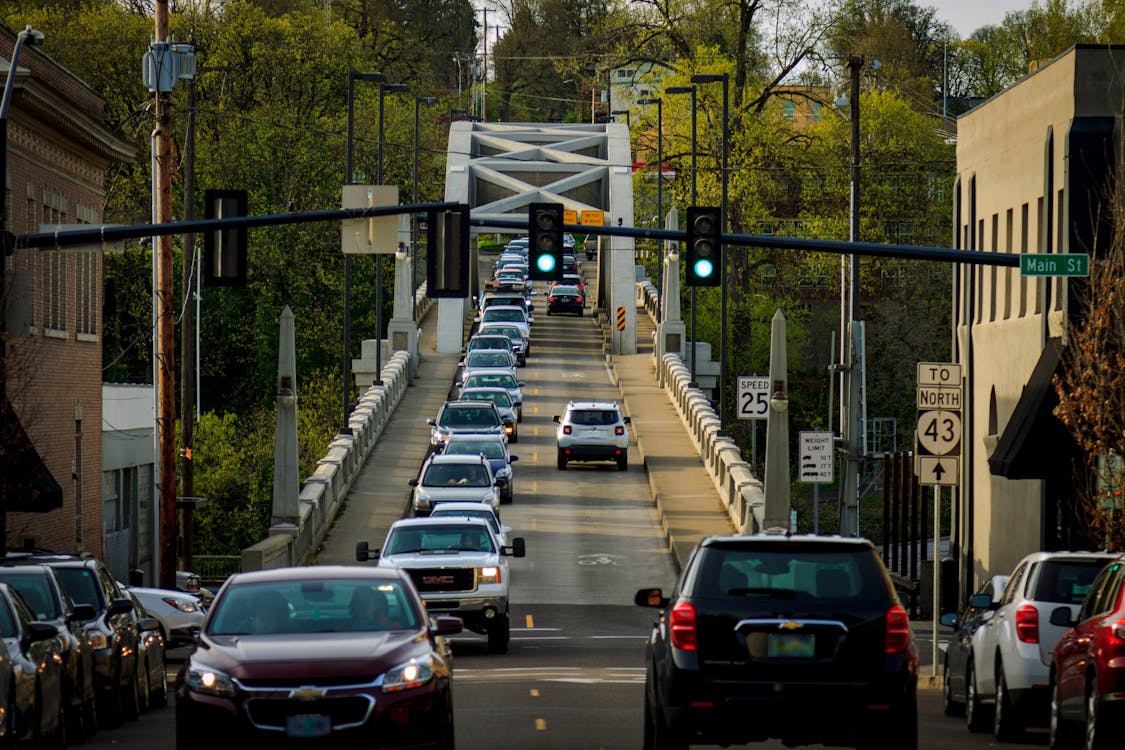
point(324, 491)
point(742, 492)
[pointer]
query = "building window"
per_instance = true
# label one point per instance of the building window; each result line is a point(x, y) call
point(31, 213)
point(52, 273)
point(86, 285)
point(992, 275)
point(1023, 249)
point(789, 109)
point(1009, 276)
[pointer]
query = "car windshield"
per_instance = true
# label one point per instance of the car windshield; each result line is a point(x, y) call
point(510, 315)
point(484, 513)
point(456, 475)
point(498, 397)
point(489, 342)
point(484, 358)
point(594, 417)
point(490, 380)
point(464, 416)
point(486, 448)
point(794, 571)
point(313, 606)
point(81, 586)
point(512, 332)
point(37, 592)
point(567, 290)
point(469, 538)
point(1066, 581)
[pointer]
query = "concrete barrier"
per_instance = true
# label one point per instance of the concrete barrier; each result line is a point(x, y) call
point(324, 491)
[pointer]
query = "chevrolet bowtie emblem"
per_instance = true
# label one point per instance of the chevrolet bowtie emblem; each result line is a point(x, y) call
point(307, 693)
point(791, 625)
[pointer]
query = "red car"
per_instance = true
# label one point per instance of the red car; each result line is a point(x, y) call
point(329, 655)
point(1088, 669)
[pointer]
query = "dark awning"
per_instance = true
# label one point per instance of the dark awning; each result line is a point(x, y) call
point(26, 484)
point(1029, 447)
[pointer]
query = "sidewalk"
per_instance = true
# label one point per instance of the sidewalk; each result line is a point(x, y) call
point(686, 499)
point(380, 493)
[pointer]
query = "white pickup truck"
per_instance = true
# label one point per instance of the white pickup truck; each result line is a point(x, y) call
point(459, 568)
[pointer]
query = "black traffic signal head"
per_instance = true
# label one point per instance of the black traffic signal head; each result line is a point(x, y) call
point(447, 253)
point(704, 246)
point(545, 240)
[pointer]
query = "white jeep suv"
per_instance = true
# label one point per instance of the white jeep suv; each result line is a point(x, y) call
point(593, 431)
point(1009, 670)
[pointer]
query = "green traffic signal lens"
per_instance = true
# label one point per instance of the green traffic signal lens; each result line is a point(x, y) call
point(704, 268)
point(545, 263)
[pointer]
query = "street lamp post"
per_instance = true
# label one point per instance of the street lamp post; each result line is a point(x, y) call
point(418, 101)
point(694, 193)
point(384, 87)
point(725, 79)
point(32, 37)
point(659, 196)
point(625, 112)
point(349, 176)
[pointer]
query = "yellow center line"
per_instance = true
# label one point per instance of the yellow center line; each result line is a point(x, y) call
point(540, 724)
point(530, 621)
point(534, 692)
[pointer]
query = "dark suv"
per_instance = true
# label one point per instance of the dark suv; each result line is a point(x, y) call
point(112, 633)
point(800, 638)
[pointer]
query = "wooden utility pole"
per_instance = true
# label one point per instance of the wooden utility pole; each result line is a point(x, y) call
point(187, 338)
point(165, 322)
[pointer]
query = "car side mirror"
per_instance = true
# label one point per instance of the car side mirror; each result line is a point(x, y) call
point(431, 421)
point(556, 418)
point(500, 482)
point(83, 612)
point(42, 631)
point(1061, 617)
point(981, 601)
point(363, 553)
point(461, 363)
point(650, 598)
point(413, 482)
point(513, 459)
point(520, 383)
point(949, 620)
point(446, 625)
point(518, 548)
point(184, 634)
point(628, 420)
point(119, 607)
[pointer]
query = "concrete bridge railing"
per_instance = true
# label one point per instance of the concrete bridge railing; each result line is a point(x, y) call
point(741, 492)
point(325, 489)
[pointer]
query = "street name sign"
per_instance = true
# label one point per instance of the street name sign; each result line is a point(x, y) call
point(753, 397)
point(1049, 264)
point(816, 457)
point(937, 449)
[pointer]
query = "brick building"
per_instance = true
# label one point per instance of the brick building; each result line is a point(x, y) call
point(59, 150)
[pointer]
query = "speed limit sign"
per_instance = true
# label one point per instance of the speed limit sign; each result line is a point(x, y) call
point(753, 397)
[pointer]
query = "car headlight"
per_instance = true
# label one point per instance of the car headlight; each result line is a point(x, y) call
point(181, 604)
point(201, 679)
point(421, 500)
point(489, 574)
point(505, 472)
point(98, 641)
point(412, 674)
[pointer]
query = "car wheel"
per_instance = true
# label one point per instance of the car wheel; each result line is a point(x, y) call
point(976, 713)
point(1063, 734)
point(1098, 734)
point(515, 438)
point(131, 701)
point(949, 706)
point(519, 414)
point(562, 462)
point(623, 463)
point(658, 735)
point(159, 697)
point(90, 716)
point(1005, 724)
point(498, 637)
point(143, 689)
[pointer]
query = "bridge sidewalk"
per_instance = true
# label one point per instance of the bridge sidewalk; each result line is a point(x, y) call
point(380, 493)
point(686, 499)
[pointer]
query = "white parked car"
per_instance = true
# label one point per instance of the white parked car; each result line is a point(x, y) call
point(179, 613)
point(1007, 685)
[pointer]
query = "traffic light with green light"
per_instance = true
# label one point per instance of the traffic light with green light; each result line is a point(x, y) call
point(704, 246)
point(545, 241)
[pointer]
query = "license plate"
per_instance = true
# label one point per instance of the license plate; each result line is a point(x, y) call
point(308, 725)
point(790, 645)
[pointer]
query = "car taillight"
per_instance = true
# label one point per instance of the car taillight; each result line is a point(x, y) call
point(566, 429)
point(897, 638)
point(618, 430)
point(550, 299)
point(1027, 624)
point(682, 621)
point(1118, 630)
point(509, 429)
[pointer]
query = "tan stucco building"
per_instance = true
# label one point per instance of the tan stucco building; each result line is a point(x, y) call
point(1033, 163)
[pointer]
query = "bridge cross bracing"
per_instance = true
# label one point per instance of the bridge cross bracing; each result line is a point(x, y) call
point(499, 168)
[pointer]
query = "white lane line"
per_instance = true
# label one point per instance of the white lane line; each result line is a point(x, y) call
point(609, 372)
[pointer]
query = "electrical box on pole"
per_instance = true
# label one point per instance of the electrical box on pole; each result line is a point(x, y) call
point(447, 253)
point(704, 246)
point(545, 241)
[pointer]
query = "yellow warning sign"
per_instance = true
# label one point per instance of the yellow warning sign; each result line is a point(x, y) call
point(621, 318)
point(570, 216)
point(593, 218)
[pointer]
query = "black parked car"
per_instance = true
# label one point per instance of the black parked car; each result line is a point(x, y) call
point(112, 633)
point(36, 691)
point(800, 638)
point(45, 594)
point(959, 653)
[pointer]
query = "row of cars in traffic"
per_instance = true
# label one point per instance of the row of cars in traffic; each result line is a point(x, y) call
point(79, 650)
point(1043, 646)
point(359, 656)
